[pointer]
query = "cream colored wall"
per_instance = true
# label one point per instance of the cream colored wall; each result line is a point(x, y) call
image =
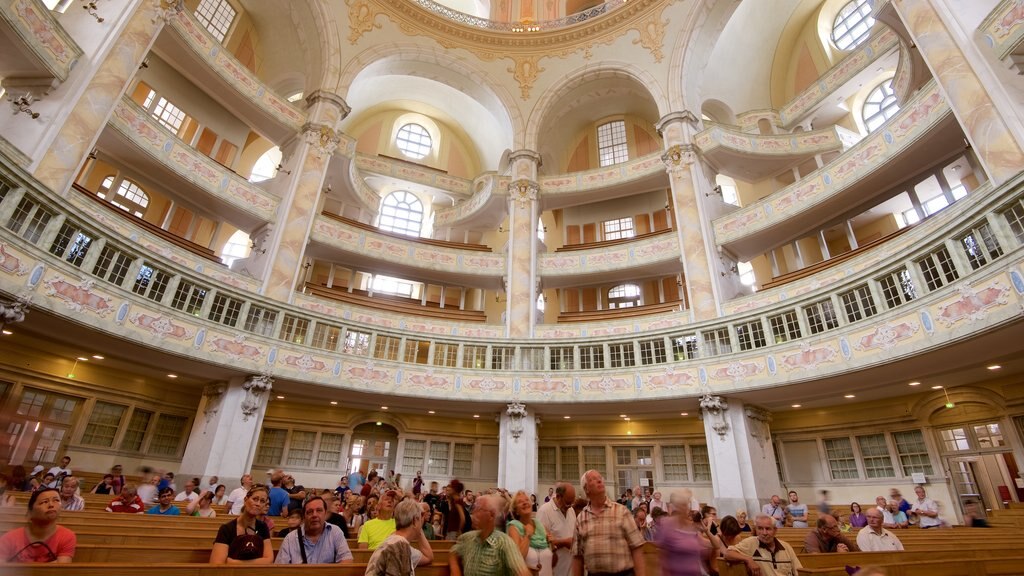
point(598, 212)
point(453, 151)
point(581, 154)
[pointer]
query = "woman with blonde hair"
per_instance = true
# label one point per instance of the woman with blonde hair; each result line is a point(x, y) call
point(245, 538)
point(528, 535)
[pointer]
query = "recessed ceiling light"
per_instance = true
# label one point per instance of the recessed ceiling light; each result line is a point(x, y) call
point(796, 405)
point(936, 387)
point(7, 332)
point(914, 384)
point(476, 415)
point(622, 415)
point(567, 417)
point(430, 412)
point(280, 397)
point(172, 375)
point(627, 419)
point(850, 396)
point(684, 413)
point(334, 402)
point(82, 359)
point(97, 357)
point(994, 367)
point(379, 423)
point(383, 407)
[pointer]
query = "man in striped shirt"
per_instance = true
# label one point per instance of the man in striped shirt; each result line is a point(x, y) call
point(485, 551)
point(69, 500)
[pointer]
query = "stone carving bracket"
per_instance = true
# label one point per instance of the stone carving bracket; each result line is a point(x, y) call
point(255, 387)
point(715, 407)
point(516, 412)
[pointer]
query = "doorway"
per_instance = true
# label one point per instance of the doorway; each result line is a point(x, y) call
point(981, 466)
point(373, 448)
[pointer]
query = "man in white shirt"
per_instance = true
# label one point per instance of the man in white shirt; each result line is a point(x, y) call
point(875, 538)
point(60, 472)
point(148, 492)
point(237, 497)
point(189, 494)
point(925, 509)
point(559, 520)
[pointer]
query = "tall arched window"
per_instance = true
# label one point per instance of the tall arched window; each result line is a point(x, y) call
point(401, 212)
point(238, 246)
point(852, 24)
point(130, 198)
point(879, 106)
point(266, 167)
point(624, 296)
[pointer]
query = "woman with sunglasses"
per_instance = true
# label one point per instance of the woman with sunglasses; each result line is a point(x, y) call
point(43, 540)
point(246, 538)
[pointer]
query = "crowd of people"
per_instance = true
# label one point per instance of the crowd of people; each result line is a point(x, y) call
point(494, 531)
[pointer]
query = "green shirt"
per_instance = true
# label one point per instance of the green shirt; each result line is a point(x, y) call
point(497, 555)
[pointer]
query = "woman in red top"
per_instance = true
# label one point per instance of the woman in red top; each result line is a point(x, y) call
point(43, 540)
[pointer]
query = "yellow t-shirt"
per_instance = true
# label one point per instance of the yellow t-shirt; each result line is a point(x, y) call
point(376, 531)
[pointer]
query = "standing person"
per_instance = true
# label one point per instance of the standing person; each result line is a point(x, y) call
point(765, 555)
point(454, 510)
point(296, 492)
point(246, 538)
point(417, 484)
point(69, 500)
point(925, 510)
point(774, 509)
point(408, 547)
point(797, 510)
point(823, 504)
point(375, 531)
point(680, 547)
point(237, 497)
point(559, 520)
point(356, 481)
point(43, 540)
point(315, 541)
point(606, 541)
point(148, 492)
point(278, 495)
point(486, 551)
point(528, 534)
point(60, 472)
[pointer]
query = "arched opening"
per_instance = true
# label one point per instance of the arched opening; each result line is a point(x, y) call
point(374, 445)
point(401, 212)
point(266, 166)
point(237, 247)
point(625, 296)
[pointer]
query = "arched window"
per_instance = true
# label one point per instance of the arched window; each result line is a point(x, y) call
point(130, 198)
point(401, 212)
point(624, 296)
point(879, 106)
point(611, 143)
point(852, 24)
point(728, 187)
point(238, 246)
point(266, 167)
point(414, 141)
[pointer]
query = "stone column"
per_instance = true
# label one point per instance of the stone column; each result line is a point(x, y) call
point(227, 427)
point(743, 469)
point(517, 449)
point(286, 239)
point(521, 278)
point(78, 134)
point(690, 220)
point(982, 116)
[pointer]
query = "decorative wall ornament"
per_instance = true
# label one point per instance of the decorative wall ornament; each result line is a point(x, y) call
point(523, 191)
point(525, 72)
point(679, 157)
point(12, 312)
point(323, 139)
point(255, 387)
point(652, 35)
point(214, 395)
point(167, 10)
point(759, 425)
point(516, 412)
point(360, 19)
point(715, 407)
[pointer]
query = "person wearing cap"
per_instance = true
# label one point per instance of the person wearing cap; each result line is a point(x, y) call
point(36, 479)
point(43, 540)
point(375, 531)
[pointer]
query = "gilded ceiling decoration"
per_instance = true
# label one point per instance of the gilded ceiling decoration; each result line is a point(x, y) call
point(525, 49)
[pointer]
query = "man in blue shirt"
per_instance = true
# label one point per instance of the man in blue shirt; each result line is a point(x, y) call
point(278, 496)
point(323, 543)
point(165, 508)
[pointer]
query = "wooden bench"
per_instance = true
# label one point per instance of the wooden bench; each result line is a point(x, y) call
point(395, 304)
point(609, 243)
point(404, 238)
point(619, 313)
point(149, 569)
point(197, 249)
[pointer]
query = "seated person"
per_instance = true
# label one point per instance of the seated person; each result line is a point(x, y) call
point(164, 506)
point(6, 498)
point(106, 486)
point(407, 544)
point(874, 537)
point(245, 539)
point(895, 518)
point(43, 540)
point(375, 531)
point(70, 501)
point(202, 506)
point(127, 501)
point(765, 554)
point(294, 521)
point(314, 541)
point(827, 538)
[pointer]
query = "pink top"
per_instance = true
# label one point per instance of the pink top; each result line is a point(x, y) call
point(680, 550)
point(16, 547)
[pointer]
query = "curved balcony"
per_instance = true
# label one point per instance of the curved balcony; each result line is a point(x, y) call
point(485, 209)
point(754, 157)
point(647, 256)
point(641, 175)
point(334, 238)
point(198, 56)
point(967, 320)
point(880, 45)
point(37, 53)
point(922, 131)
point(1003, 31)
point(137, 139)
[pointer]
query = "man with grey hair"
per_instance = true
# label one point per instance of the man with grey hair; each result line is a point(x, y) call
point(559, 520)
point(396, 554)
point(69, 500)
point(486, 551)
point(607, 540)
point(765, 555)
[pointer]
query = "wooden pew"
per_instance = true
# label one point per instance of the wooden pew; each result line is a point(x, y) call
point(148, 569)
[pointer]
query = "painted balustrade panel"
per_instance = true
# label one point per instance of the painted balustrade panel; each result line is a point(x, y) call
point(413, 173)
point(1003, 29)
point(802, 143)
point(42, 34)
point(597, 178)
point(144, 131)
point(928, 107)
point(878, 45)
point(659, 248)
point(488, 188)
point(234, 72)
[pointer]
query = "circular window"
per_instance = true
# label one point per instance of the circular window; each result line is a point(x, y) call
point(879, 106)
point(852, 24)
point(414, 141)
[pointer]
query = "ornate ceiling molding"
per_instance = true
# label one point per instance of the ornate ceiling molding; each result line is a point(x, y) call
point(525, 49)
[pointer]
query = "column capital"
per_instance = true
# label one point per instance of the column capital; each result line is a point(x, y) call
point(318, 96)
point(167, 10)
point(672, 117)
point(255, 387)
point(523, 191)
point(524, 154)
point(13, 311)
point(322, 138)
point(679, 157)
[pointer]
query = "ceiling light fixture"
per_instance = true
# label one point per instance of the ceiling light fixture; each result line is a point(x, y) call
point(994, 367)
point(82, 359)
point(850, 396)
point(567, 417)
point(476, 415)
point(383, 407)
point(280, 397)
point(622, 415)
point(334, 402)
point(684, 413)
point(97, 357)
point(7, 332)
point(172, 375)
point(936, 387)
point(914, 384)
point(431, 412)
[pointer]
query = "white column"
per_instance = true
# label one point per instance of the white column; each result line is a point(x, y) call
point(226, 429)
point(517, 449)
point(743, 469)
